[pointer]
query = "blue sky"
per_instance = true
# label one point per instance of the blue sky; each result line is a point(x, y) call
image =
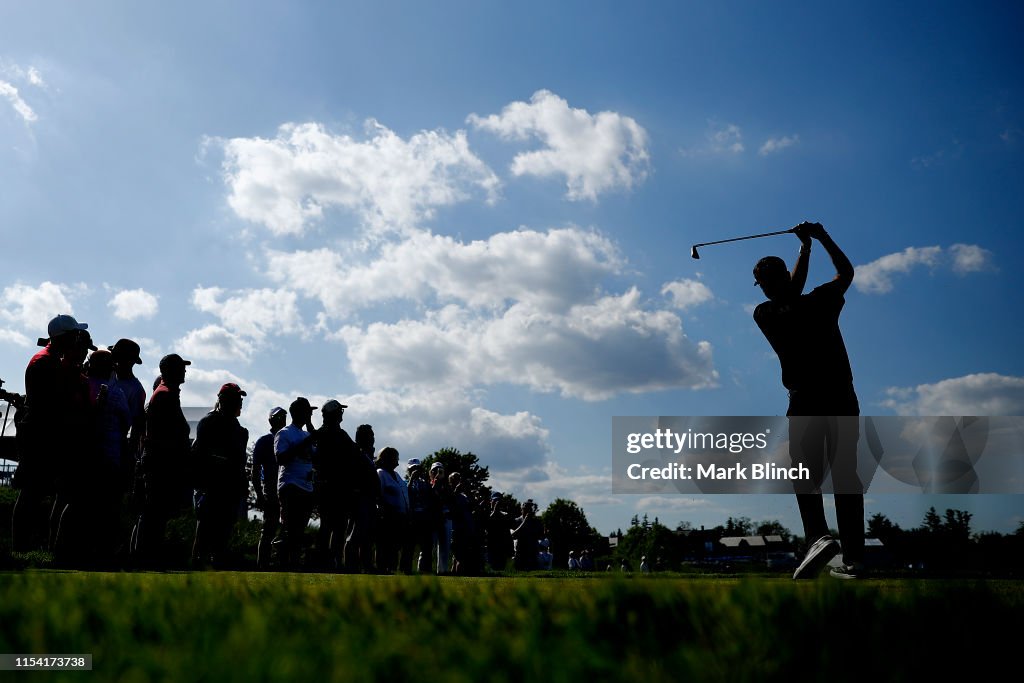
point(472, 222)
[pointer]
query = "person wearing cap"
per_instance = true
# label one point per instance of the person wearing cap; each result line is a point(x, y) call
point(52, 419)
point(359, 543)
point(499, 538)
point(393, 518)
point(218, 457)
point(442, 518)
point(421, 516)
point(127, 355)
point(527, 531)
point(165, 461)
point(293, 449)
point(333, 459)
point(89, 524)
point(264, 483)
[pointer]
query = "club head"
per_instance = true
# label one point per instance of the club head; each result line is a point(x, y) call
point(693, 252)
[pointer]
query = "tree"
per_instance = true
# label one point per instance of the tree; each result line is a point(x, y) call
point(882, 528)
point(474, 477)
point(741, 526)
point(659, 543)
point(567, 528)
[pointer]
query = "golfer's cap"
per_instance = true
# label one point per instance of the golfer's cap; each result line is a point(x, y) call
point(62, 324)
point(172, 361)
point(300, 403)
point(333, 406)
point(277, 411)
point(768, 266)
point(126, 348)
point(436, 466)
point(413, 462)
point(231, 389)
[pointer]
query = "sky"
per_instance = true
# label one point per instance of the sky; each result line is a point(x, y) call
point(471, 222)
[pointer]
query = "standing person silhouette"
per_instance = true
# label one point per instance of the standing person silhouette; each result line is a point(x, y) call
point(803, 329)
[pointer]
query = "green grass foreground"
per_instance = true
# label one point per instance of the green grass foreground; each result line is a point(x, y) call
point(228, 626)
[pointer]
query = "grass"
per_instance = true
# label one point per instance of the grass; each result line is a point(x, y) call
point(239, 626)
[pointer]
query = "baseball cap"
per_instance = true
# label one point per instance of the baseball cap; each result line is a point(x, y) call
point(275, 411)
point(413, 462)
point(231, 388)
point(126, 348)
point(172, 360)
point(64, 323)
point(300, 403)
point(333, 406)
point(436, 466)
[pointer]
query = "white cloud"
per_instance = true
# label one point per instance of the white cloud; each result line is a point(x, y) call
point(131, 304)
point(978, 394)
point(970, 258)
point(213, 342)
point(772, 145)
point(251, 313)
point(550, 270)
point(21, 108)
point(877, 277)
point(725, 138)
point(593, 351)
point(34, 77)
point(548, 480)
point(32, 307)
point(595, 152)
point(417, 423)
point(719, 139)
point(287, 182)
point(15, 337)
point(687, 293)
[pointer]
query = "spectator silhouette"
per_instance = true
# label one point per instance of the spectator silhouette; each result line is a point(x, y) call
point(165, 461)
point(264, 483)
point(803, 329)
point(219, 460)
point(53, 391)
point(293, 448)
point(335, 452)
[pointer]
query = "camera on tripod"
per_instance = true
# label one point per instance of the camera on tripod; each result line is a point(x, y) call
point(16, 400)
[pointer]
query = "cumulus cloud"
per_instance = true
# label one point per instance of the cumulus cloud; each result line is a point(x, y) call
point(550, 270)
point(970, 258)
point(594, 152)
point(391, 183)
point(687, 293)
point(593, 351)
point(251, 313)
point(417, 423)
point(15, 337)
point(549, 480)
point(772, 145)
point(720, 139)
point(213, 342)
point(32, 307)
point(978, 394)
point(877, 277)
point(131, 304)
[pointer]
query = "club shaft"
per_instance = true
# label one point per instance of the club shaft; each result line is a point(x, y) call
point(748, 237)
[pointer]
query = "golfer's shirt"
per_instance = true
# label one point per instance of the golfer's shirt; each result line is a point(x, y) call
point(804, 332)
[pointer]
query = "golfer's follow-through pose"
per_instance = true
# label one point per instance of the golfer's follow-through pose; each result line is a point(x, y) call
point(803, 329)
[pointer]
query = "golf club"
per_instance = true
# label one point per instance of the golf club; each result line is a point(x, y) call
point(693, 249)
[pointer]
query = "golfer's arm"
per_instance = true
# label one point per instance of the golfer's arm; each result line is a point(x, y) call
point(798, 277)
point(844, 269)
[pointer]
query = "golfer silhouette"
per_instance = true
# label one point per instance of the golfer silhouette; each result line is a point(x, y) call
point(803, 329)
